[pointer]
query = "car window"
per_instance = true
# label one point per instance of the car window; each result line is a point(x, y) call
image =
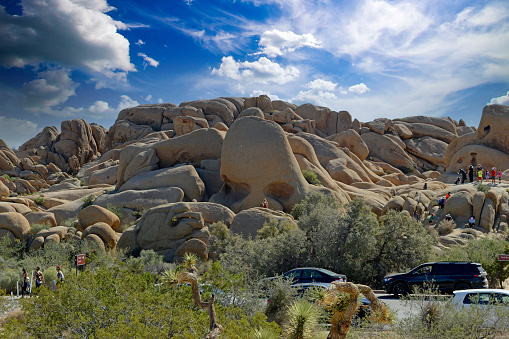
point(501, 298)
point(443, 269)
point(315, 274)
point(423, 270)
point(293, 274)
point(477, 298)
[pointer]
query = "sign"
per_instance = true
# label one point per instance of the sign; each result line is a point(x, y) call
point(503, 257)
point(80, 259)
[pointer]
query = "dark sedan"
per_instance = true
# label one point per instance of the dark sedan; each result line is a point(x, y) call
point(313, 274)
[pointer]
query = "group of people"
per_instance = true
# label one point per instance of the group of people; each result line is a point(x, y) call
point(39, 279)
point(481, 173)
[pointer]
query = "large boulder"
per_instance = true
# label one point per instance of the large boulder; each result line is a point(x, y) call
point(353, 141)
point(338, 122)
point(124, 131)
point(16, 223)
point(317, 113)
point(380, 125)
point(427, 148)
point(187, 124)
point(143, 115)
point(106, 175)
point(387, 150)
point(257, 163)
point(420, 130)
point(444, 123)
point(141, 199)
point(477, 154)
point(4, 191)
point(184, 177)
point(144, 161)
point(77, 140)
point(93, 214)
point(46, 138)
point(104, 231)
point(249, 221)
point(220, 107)
point(41, 218)
point(459, 206)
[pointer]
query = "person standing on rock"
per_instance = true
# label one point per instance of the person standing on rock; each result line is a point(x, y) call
point(493, 175)
point(471, 173)
point(479, 176)
point(487, 176)
point(471, 221)
point(499, 176)
point(60, 274)
point(463, 175)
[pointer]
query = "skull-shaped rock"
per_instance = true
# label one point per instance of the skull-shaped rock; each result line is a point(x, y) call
point(257, 163)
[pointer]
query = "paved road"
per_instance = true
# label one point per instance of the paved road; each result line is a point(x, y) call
point(401, 308)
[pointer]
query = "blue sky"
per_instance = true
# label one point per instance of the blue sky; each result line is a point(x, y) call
point(64, 59)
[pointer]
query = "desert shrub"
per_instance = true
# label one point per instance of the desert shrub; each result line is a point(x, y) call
point(311, 177)
point(445, 227)
point(88, 200)
point(36, 228)
point(483, 188)
point(280, 295)
point(313, 202)
point(483, 251)
point(406, 170)
point(39, 200)
point(148, 261)
point(275, 227)
point(9, 249)
point(115, 303)
point(8, 280)
point(117, 210)
point(69, 222)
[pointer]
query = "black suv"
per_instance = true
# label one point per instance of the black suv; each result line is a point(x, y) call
point(447, 276)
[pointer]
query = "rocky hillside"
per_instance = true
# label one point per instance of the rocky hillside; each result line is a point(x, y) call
point(173, 170)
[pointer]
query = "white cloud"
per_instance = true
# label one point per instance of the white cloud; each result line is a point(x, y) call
point(320, 92)
point(140, 42)
point(16, 131)
point(148, 60)
point(257, 93)
point(263, 71)
point(358, 89)
point(276, 42)
point(99, 109)
point(160, 101)
point(501, 100)
point(75, 33)
point(321, 85)
point(52, 87)
point(148, 97)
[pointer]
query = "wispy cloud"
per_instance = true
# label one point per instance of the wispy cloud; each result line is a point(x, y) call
point(501, 100)
point(276, 42)
point(148, 60)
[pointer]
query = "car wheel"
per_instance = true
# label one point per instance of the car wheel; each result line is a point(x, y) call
point(400, 289)
point(462, 286)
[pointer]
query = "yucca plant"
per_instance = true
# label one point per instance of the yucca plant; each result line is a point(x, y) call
point(264, 333)
point(302, 320)
point(190, 261)
point(170, 276)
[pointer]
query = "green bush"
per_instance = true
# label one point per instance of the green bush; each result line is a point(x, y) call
point(117, 210)
point(36, 228)
point(39, 200)
point(111, 302)
point(275, 227)
point(87, 201)
point(281, 295)
point(483, 188)
point(311, 177)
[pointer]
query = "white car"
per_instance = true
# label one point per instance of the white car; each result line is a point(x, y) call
point(484, 296)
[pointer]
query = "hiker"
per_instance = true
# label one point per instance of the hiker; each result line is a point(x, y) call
point(487, 175)
point(471, 221)
point(25, 283)
point(448, 217)
point(60, 274)
point(431, 218)
point(493, 175)
point(458, 180)
point(265, 203)
point(499, 176)
point(463, 175)
point(479, 176)
point(448, 195)
point(441, 203)
point(39, 277)
point(416, 216)
point(471, 173)
point(425, 186)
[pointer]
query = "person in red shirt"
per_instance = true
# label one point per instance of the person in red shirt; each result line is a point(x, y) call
point(493, 175)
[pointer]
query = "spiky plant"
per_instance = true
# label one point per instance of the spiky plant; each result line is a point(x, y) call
point(302, 320)
point(264, 333)
point(190, 261)
point(170, 276)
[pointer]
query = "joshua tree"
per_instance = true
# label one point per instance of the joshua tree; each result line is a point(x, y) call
point(341, 317)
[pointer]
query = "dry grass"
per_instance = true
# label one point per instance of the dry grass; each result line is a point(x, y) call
point(16, 314)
